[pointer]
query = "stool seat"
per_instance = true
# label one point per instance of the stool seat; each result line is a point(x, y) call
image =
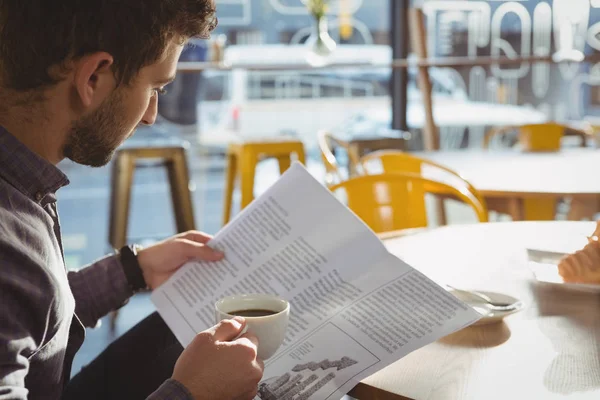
point(154, 151)
point(266, 140)
point(242, 158)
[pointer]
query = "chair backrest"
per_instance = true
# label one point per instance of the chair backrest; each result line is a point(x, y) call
point(332, 171)
point(392, 161)
point(389, 201)
point(538, 137)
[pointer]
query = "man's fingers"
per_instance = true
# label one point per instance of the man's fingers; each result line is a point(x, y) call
point(228, 329)
point(196, 236)
point(260, 364)
point(249, 338)
point(248, 396)
point(199, 251)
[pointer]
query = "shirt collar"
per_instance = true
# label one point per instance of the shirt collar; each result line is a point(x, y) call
point(26, 171)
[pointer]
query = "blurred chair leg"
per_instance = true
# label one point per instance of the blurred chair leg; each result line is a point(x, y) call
point(524, 209)
point(516, 209)
point(284, 163)
point(440, 207)
point(583, 209)
point(539, 209)
point(497, 205)
point(179, 180)
point(354, 154)
point(248, 163)
point(230, 176)
point(121, 184)
point(301, 154)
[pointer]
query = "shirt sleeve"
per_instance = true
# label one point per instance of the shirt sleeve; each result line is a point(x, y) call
point(171, 390)
point(98, 289)
point(26, 294)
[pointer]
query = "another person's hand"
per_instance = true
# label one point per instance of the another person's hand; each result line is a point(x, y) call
point(583, 266)
point(214, 366)
point(158, 262)
point(596, 235)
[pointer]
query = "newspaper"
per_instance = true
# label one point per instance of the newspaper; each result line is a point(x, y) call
point(355, 308)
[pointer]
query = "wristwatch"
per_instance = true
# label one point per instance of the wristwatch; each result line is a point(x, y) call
point(131, 267)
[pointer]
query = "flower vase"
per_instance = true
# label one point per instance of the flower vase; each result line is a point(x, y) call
point(320, 45)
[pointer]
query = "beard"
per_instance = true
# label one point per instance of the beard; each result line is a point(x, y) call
point(94, 138)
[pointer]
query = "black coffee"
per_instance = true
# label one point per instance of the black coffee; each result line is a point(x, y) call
point(252, 313)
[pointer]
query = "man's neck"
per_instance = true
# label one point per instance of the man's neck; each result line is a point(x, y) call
point(40, 134)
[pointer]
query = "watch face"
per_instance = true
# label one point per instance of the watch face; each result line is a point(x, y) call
point(135, 248)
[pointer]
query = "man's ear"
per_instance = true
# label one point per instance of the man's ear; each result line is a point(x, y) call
point(94, 78)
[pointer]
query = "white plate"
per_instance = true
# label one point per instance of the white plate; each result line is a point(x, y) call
point(489, 316)
point(543, 264)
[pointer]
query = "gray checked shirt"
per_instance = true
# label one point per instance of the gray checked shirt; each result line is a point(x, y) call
point(44, 308)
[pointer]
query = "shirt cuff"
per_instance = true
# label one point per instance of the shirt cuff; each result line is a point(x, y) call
point(99, 289)
point(171, 390)
point(121, 289)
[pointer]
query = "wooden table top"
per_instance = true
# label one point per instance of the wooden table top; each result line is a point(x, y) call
point(550, 350)
point(507, 173)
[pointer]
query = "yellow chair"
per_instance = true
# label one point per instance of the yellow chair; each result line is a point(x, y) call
point(242, 158)
point(538, 137)
point(395, 201)
point(332, 170)
point(396, 161)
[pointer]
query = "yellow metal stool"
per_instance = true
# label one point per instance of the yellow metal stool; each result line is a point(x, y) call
point(172, 157)
point(242, 158)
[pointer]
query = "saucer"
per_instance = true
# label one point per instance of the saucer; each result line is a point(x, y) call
point(489, 316)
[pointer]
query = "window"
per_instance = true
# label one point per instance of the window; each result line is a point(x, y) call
point(267, 103)
point(514, 29)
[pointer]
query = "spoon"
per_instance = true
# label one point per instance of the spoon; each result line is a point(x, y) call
point(491, 304)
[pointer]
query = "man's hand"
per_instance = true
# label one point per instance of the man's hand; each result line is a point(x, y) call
point(160, 261)
point(216, 367)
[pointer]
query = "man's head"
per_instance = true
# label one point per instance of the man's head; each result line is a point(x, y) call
point(104, 61)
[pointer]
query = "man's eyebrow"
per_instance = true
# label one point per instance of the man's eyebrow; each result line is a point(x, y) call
point(166, 81)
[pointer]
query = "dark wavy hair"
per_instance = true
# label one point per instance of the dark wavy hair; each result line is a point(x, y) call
point(39, 37)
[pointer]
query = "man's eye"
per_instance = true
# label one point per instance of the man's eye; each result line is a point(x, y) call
point(160, 91)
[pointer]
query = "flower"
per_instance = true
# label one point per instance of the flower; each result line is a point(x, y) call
point(317, 8)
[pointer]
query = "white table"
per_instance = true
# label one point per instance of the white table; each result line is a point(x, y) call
point(550, 350)
point(514, 175)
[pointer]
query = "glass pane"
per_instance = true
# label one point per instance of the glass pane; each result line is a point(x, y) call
point(520, 93)
point(250, 103)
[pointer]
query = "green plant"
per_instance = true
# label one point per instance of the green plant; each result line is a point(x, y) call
point(317, 8)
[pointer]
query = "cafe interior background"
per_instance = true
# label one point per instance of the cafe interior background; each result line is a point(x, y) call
point(259, 78)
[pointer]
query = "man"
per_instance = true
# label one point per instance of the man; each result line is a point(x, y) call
point(76, 78)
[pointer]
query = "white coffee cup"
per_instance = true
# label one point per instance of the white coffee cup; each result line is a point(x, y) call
point(269, 329)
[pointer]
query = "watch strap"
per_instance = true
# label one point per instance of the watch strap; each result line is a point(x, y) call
point(132, 269)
